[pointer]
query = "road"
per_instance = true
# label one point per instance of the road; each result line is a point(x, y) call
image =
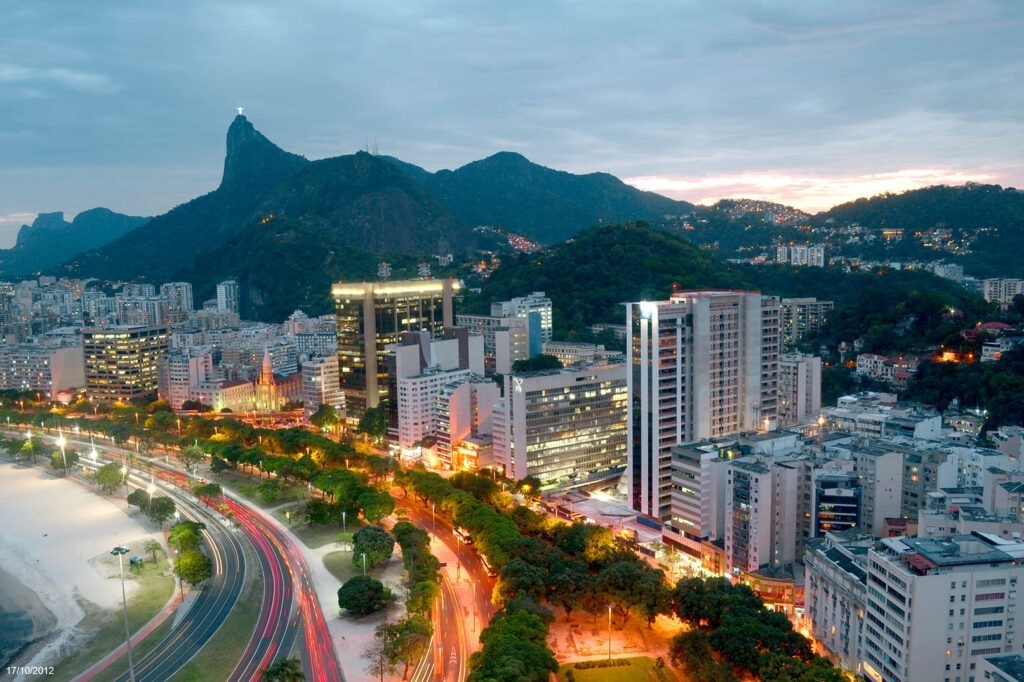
point(465, 605)
point(319, 656)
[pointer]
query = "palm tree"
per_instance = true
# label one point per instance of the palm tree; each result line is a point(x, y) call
point(152, 547)
point(284, 670)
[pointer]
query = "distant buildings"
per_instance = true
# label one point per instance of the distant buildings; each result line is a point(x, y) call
point(704, 364)
point(49, 370)
point(802, 318)
point(227, 297)
point(799, 389)
point(1002, 290)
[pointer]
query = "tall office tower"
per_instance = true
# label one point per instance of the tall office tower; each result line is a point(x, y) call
point(372, 315)
point(799, 389)
point(121, 363)
point(179, 300)
point(227, 296)
point(536, 310)
point(704, 364)
point(565, 427)
point(802, 318)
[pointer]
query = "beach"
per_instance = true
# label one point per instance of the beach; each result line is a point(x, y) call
point(55, 542)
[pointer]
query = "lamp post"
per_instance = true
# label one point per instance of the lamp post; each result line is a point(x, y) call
point(433, 523)
point(92, 451)
point(344, 525)
point(60, 444)
point(609, 632)
point(124, 478)
point(120, 551)
point(364, 564)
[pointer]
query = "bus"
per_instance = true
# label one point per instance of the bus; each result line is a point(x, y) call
point(487, 567)
point(463, 536)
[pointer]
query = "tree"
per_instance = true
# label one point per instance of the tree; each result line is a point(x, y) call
point(284, 670)
point(30, 448)
point(325, 417)
point(186, 536)
point(119, 433)
point(160, 508)
point(58, 460)
point(152, 547)
point(376, 652)
point(411, 643)
point(536, 364)
point(109, 478)
point(375, 505)
point(191, 456)
point(621, 583)
point(193, 567)
point(207, 490)
point(363, 594)
point(568, 583)
point(138, 498)
point(373, 541)
point(374, 422)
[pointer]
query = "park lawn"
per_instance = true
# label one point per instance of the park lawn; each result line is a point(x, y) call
point(642, 669)
point(155, 587)
point(218, 658)
point(314, 536)
point(341, 567)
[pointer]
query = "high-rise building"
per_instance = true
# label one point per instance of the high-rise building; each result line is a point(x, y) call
point(27, 367)
point(536, 310)
point(506, 339)
point(227, 297)
point(121, 363)
point(836, 500)
point(464, 411)
point(760, 514)
point(801, 318)
point(373, 315)
point(704, 364)
point(178, 296)
point(565, 427)
point(799, 389)
point(320, 384)
point(182, 371)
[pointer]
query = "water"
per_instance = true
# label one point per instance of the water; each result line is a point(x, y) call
point(23, 619)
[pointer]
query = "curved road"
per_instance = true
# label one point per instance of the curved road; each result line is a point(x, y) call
point(320, 656)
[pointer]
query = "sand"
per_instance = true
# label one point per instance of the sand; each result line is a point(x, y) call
point(55, 540)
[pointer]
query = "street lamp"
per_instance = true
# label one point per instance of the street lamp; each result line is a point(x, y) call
point(433, 523)
point(60, 443)
point(364, 564)
point(609, 632)
point(344, 526)
point(120, 551)
point(92, 451)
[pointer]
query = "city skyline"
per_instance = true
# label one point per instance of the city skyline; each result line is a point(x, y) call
point(805, 106)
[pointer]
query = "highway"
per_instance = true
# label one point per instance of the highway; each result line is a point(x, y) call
point(278, 633)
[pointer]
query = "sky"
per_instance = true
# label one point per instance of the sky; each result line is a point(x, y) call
point(125, 104)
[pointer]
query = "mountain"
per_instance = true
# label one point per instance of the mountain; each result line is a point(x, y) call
point(253, 167)
point(589, 277)
point(510, 192)
point(285, 227)
point(50, 240)
point(979, 226)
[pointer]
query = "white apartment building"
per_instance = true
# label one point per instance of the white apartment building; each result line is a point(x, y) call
point(704, 364)
point(417, 403)
point(698, 496)
point(565, 427)
point(26, 367)
point(320, 384)
point(1001, 290)
point(505, 339)
point(464, 410)
point(227, 297)
point(935, 607)
point(182, 372)
point(801, 318)
point(760, 514)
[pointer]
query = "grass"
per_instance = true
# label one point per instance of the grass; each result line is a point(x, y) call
point(154, 590)
point(218, 658)
point(642, 669)
point(341, 567)
point(314, 536)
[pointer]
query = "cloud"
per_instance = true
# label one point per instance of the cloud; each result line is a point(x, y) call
point(10, 225)
point(73, 79)
point(807, 192)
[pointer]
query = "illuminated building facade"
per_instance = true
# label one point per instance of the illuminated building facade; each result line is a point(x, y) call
point(704, 364)
point(565, 427)
point(373, 315)
point(121, 363)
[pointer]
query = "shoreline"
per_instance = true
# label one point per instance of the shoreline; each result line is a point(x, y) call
point(55, 546)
